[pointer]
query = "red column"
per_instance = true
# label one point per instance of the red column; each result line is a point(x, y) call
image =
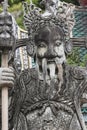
point(83, 2)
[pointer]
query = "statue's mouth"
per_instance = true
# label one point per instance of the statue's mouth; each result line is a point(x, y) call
point(49, 67)
point(51, 60)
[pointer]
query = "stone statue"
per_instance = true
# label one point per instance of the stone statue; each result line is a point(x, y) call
point(48, 96)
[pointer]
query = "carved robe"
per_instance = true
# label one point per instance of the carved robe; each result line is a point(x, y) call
point(38, 106)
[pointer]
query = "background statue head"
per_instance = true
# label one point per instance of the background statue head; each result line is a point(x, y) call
point(8, 29)
point(50, 6)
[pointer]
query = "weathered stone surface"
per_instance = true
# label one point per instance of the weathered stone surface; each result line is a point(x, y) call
point(48, 97)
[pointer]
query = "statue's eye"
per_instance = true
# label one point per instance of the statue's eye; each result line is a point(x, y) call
point(42, 44)
point(58, 43)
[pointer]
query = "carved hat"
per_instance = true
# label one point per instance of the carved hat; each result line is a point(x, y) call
point(34, 21)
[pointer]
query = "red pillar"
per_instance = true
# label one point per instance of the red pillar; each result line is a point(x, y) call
point(83, 2)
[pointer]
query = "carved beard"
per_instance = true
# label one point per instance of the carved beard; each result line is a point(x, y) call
point(53, 70)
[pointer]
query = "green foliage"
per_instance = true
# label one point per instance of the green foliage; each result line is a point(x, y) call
point(15, 7)
point(20, 21)
point(11, 2)
point(0, 9)
point(75, 58)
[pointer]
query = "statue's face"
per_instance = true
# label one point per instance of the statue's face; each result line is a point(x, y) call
point(48, 121)
point(50, 46)
point(5, 26)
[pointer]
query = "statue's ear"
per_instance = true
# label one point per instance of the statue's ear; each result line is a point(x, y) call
point(68, 46)
point(31, 49)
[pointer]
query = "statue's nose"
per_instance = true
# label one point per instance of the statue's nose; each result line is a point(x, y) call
point(50, 52)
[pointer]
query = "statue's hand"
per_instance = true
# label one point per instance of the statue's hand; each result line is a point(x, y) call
point(6, 77)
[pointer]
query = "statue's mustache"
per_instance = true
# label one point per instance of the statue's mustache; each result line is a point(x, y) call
point(50, 56)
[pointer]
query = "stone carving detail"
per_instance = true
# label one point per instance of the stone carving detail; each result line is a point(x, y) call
point(6, 34)
point(48, 97)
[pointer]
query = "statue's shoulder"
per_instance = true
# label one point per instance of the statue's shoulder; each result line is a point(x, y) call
point(78, 72)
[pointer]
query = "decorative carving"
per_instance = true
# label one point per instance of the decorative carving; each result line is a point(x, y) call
point(61, 18)
point(48, 97)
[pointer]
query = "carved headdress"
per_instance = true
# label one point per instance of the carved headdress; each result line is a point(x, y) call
point(34, 20)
